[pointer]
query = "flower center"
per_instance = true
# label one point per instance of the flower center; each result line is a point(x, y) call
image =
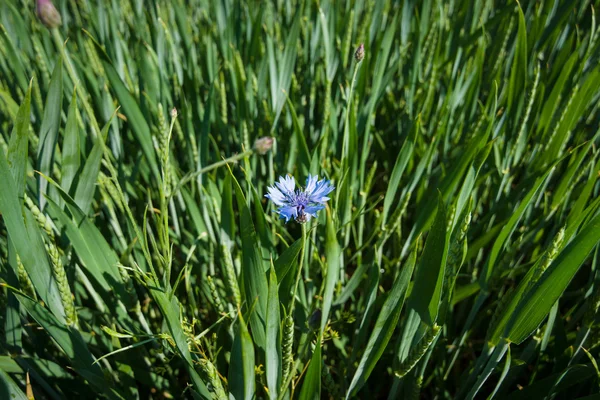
point(300, 200)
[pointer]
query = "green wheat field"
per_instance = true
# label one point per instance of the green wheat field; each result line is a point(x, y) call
point(457, 256)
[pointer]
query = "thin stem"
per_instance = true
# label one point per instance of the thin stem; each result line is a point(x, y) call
point(193, 175)
point(346, 144)
point(300, 267)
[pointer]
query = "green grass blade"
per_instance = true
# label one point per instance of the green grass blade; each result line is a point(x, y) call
point(536, 304)
point(18, 145)
point(333, 252)
point(71, 149)
point(311, 387)
point(508, 228)
point(9, 389)
point(426, 293)
point(49, 129)
point(253, 271)
point(286, 68)
point(96, 255)
point(273, 336)
point(86, 186)
point(401, 163)
point(72, 344)
point(286, 261)
point(131, 109)
point(384, 327)
point(241, 371)
point(14, 59)
point(27, 240)
point(170, 309)
point(518, 71)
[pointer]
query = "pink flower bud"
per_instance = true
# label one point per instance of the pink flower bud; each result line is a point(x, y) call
point(263, 145)
point(359, 55)
point(48, 14)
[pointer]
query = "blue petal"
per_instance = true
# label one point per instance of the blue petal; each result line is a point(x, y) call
point(311, 183)
point(288, 212)
point(286, 185)
point(276, 196)
point(319, 195)
point(312, 210)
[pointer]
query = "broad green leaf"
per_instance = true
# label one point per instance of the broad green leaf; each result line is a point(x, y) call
point(426, 293)
point(300, 141)
point(17, 148)
point(508, 228)
point(72, 344)
point(273, 335)
point(537, 303)
point(286, 69)
point(27, 240)
point(241, 371)
point(384, 327)
point(401, 162)
point(352, 284)
point(71, 149)
point(333, 252)
point(579, 205)
point(14, 59)
point(95, 254)
point(575, 110)
point(49, 129)
point(493, 360)
point(9, 389)
point(171, 309)
point(227, 225)
point(311, 386)
point(11, 106)
point(518, 70)
point(447, 186)
point(253, 271)
point(552, 101)
point(566, 182)
point(131, 109)
point(86, 187)
point(287, 260)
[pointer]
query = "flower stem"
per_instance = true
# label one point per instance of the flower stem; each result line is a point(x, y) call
point(192, 175)
point(346, 141)
point(300, 267)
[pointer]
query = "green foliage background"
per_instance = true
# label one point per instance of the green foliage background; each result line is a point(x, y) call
point(457, 258)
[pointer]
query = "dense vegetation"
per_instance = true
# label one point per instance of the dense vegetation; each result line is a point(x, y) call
point(457, 257)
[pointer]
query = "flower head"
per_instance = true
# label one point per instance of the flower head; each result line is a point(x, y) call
point(48, 14)
point(263, 145)
point(359, 54)
point(300, 204)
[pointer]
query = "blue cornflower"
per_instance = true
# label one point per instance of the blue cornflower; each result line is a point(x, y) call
point(300, 204)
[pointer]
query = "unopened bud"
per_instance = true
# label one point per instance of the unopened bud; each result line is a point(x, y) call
point(173, 112)
point(263, 145)
point(48, 14)
point(359, 54)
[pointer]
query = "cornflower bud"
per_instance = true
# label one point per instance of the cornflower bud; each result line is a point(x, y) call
point(359, 54)
point(263, 145)
point(48, 14)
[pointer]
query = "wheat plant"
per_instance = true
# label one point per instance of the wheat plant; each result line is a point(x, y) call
point(299, 199)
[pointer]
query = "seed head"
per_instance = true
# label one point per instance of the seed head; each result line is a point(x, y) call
point(48, 14)
point(263, 145)
point(359, 54)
